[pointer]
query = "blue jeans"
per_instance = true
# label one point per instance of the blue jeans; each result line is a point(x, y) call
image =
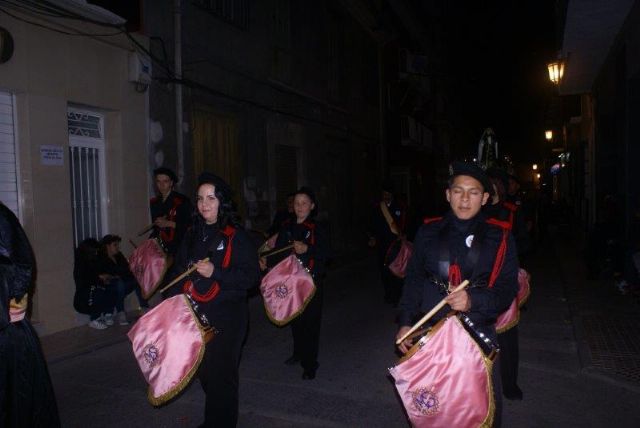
point(124, 286)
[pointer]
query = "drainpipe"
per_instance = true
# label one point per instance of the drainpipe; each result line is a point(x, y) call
point(177, 28)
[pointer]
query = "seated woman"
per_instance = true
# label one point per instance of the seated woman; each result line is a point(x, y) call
point(91, 297)
point(113, 271)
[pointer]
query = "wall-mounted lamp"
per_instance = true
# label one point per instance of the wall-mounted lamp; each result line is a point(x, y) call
point(548, 135)
point(535, 166)
point(556, 71)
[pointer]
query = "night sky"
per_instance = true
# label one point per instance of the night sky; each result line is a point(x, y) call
point(499, 51)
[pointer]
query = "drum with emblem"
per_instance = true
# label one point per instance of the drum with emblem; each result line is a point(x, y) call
point(445, 378)
point(149, 263)
point(286, 290)
point(169, 344)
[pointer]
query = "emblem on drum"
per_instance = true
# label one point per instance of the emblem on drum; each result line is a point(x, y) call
point(282, 291)
point(425, 401)
point(151, 355)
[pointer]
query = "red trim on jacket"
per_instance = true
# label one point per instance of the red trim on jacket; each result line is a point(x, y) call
point(428, 220)
point(502, 249)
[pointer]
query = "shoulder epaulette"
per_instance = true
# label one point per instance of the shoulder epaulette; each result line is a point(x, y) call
point(511, 207)
point(428, 220)
point(501, 224)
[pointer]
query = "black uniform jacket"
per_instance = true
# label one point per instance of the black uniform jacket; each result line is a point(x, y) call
point(232, 281)
point(442, 242)
point(177, 208)
point(16, 262)
point(312, 234)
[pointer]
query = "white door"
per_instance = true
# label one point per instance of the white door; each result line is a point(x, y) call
point(87, 174)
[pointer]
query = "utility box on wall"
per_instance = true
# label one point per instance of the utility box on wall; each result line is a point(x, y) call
point(139, 69)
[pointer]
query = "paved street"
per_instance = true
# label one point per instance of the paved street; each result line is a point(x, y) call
point(562, 375)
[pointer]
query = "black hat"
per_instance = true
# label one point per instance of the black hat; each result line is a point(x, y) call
point(499, 174)
point(387, 186)
point(472, 170)
point(166, 171)
point(221, 186)
point(108, 239)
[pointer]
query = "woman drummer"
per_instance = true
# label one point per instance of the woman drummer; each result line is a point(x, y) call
point(311, 247)
point(219, 287)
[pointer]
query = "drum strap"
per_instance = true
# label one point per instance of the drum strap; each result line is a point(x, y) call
point(169, 235)
point(453, 272)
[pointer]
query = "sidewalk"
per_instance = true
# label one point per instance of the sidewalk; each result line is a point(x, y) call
point(606, 323)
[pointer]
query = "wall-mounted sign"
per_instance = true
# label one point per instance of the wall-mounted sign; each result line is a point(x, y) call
point(52, 155)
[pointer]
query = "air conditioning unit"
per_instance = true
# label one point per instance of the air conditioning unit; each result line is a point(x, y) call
point(139, 69)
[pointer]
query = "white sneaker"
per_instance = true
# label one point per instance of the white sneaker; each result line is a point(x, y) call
point(97, 324)
point(122, 318)
point(107, 319)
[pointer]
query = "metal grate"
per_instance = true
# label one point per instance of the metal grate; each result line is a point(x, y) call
point(86, 194)
point(614, 344)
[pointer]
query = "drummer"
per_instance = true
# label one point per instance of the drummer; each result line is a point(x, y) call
point(219, 287)
point(310, 244)
point(170, 211)
point(462, 245)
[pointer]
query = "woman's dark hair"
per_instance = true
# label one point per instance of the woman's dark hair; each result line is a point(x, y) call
point(227, 214)
point(308, 191)
point(109, 239)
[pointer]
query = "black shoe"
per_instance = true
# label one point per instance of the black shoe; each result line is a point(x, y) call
point(309, 374)
point(514, 393)
point(292, 360)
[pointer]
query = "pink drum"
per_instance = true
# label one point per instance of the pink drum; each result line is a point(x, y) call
point(169, 343)
point(445, 379)
point(509, 318)
point(399, 264)
point(524, 287)
point(148, 263)
point(286, 290)
point(17, 311)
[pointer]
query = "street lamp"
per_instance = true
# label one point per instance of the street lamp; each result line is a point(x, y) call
point(548, 135)
point(556, 71)
point(535, 166)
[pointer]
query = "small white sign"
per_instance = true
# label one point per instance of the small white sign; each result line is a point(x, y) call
point(52, 155)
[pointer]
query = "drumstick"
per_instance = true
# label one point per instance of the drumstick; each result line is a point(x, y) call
point(146, 229)
point(185, 273)
point(431, 313)
point(279, 250)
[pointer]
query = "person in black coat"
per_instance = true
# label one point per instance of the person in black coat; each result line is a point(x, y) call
point(170, 211)
point(26, 394)
point(310, 245)
point(383, 236)
point(219, 286)
point(462, 245)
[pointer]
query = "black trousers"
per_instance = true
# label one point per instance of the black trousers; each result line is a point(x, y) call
point(497, 391)
point(306, 332)
point(26, 393)
point(218, 372)
point(509, 359)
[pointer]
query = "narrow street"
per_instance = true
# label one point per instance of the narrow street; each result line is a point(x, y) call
point(562, 374)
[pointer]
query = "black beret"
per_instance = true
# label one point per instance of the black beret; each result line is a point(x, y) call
point(166, 171)
point(220, 185)
point(472, 170)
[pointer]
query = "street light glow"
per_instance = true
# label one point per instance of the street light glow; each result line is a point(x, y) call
point(548, 135)
point(535, 166)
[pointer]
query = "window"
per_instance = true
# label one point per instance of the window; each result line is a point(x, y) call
point(87, 174)
point(234, 12)
point(8, 161)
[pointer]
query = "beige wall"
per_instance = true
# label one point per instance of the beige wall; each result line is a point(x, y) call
point(47, 73)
